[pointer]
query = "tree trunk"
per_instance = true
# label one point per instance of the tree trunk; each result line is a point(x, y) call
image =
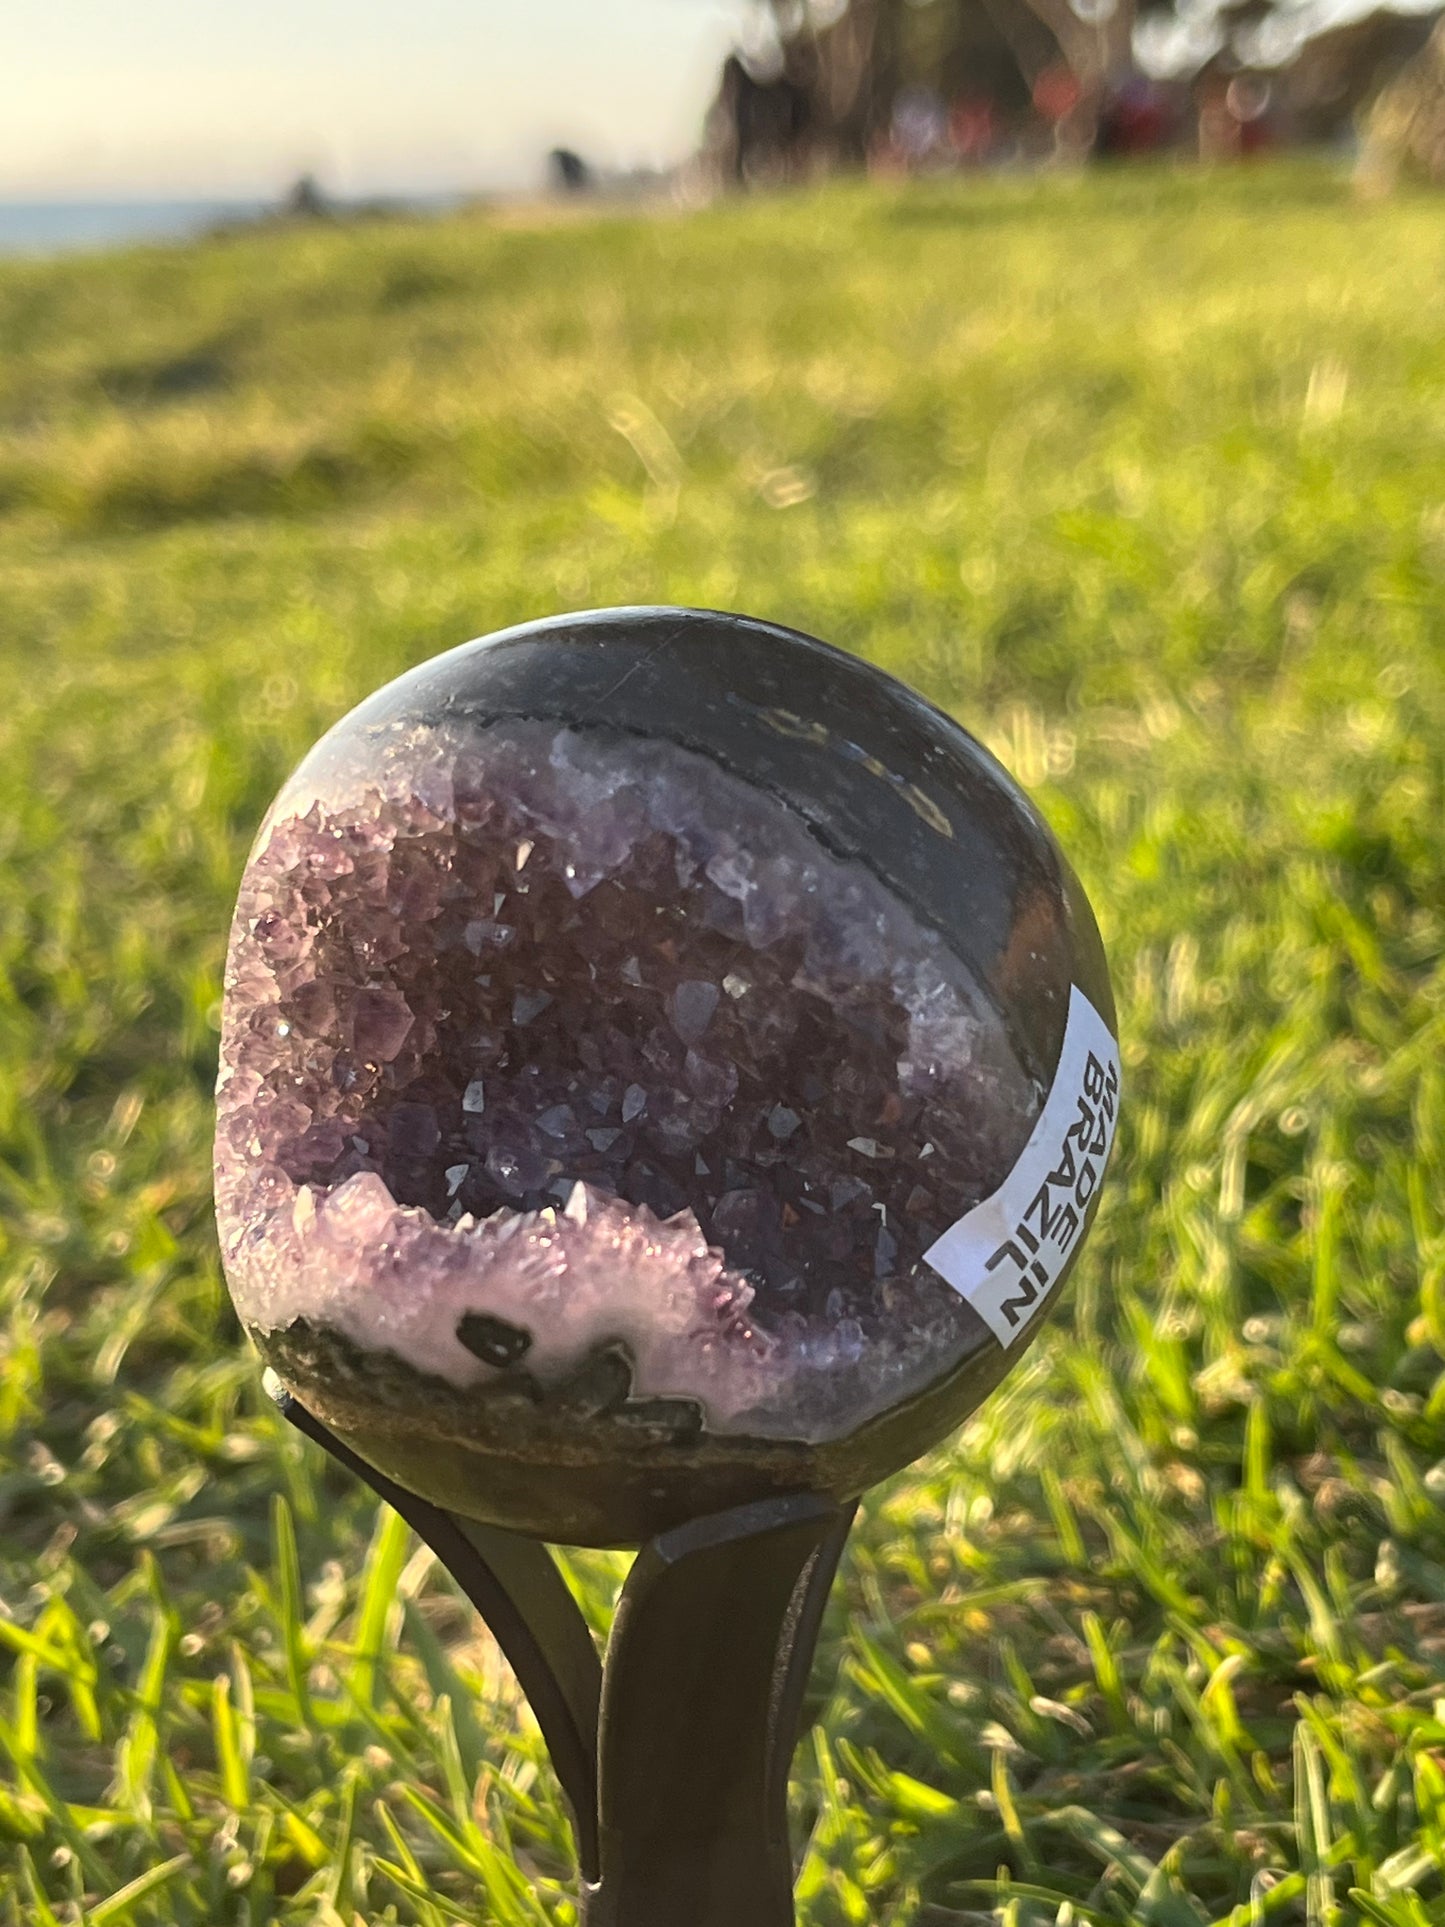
point(1405, 131)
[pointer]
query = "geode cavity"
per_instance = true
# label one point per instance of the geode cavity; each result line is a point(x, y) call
point(593, 1081)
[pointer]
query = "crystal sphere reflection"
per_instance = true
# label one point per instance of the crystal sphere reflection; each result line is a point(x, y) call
point(618, 1010)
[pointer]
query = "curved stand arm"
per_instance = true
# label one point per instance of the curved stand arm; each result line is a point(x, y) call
point(515, 1585)
point(705, 1674)
point(673, 1756)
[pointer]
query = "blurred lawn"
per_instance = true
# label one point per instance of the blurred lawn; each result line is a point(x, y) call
point(1142, 476)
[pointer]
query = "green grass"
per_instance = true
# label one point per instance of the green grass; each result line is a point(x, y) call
point(1142, 476)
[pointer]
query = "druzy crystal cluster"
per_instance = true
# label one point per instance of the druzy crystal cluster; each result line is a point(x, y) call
point(560, 1064)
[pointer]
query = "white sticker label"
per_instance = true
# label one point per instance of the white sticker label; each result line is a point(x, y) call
point(1007, 1254)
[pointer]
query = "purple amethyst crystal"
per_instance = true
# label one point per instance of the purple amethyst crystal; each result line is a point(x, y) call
point(588, 1106)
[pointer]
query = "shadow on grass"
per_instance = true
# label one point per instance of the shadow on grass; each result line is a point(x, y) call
point(160, 492)
point(162, 378)
point(1113, 187)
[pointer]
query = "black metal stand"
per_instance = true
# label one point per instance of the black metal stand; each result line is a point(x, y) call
point(674, 1755)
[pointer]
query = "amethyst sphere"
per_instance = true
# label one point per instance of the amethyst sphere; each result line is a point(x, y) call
point(646, 1037)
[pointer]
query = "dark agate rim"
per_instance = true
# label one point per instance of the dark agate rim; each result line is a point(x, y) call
point(585, 1478)
point(880, 775)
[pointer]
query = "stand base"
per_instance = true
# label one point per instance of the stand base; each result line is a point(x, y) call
point(674, 1754)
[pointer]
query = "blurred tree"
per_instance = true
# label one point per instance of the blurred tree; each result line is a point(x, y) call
point(1013, 53)
point(1405, 132)
point(567, 172)
point(305, 200)
point(847, 82)
point(766, 120)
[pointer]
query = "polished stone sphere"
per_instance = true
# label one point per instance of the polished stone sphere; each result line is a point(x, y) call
point(665, 1062)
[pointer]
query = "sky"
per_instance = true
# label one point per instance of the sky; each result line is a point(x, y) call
point(100, 100)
